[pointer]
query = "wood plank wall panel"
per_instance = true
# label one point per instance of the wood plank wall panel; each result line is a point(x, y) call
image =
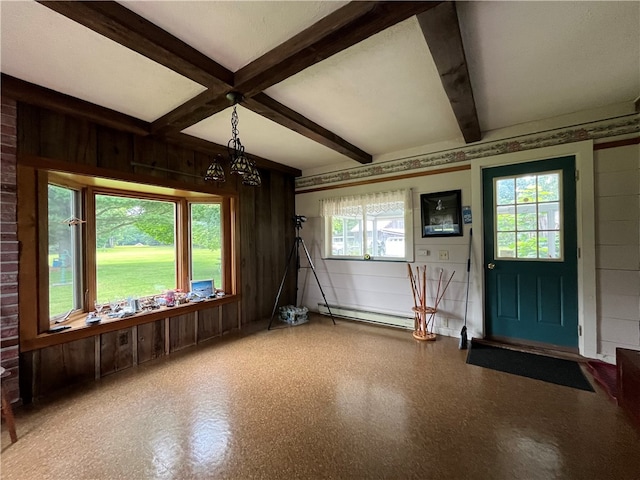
point(182, 331)
point(248, 254)
point(115, 150)
point(116, 351)
point(62, 365)
point(208, 323)
point(28, 129)
point(152, 152)
point(229, 317)
point(182, 160)
point(150, 341)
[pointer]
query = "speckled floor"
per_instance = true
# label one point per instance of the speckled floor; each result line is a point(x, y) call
point(350, 401)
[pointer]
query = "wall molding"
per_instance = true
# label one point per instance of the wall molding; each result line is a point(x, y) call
point(601, 129)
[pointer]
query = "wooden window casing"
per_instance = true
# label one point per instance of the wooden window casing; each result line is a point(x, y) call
point(33, 237)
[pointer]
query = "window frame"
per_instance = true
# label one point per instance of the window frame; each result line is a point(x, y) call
point(327, 226)
point(88, 187)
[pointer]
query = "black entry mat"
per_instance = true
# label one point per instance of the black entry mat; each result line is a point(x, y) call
point(547, 369)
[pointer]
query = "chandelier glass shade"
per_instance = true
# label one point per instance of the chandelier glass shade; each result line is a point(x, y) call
point(215, 172)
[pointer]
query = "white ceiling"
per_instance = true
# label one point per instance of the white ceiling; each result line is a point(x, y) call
point(527, 61)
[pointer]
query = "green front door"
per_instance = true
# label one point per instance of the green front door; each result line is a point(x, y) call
point(530, 252)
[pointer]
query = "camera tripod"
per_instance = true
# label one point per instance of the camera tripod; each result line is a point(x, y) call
point(295, 248)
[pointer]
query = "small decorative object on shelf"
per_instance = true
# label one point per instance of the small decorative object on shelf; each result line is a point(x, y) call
point(424, 315)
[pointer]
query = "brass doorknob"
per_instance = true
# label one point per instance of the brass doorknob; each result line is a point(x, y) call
point(491, 266)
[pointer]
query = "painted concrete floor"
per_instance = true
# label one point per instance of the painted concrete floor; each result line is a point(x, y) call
point(350, 401)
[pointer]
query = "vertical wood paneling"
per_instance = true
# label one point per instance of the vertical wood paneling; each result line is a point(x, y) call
point(63, 365)
point(116, 351)
point(115, 150)
point(81, 141)
point(181, 160)
point(208, 323)
point(150, 341)
point(263, 260)
point(52, 134)
point(182, 331)
point(28, 129)
point(248, 258)
point(151, 152)
point(229, 317)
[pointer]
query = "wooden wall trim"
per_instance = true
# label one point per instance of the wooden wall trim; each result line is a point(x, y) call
point(438, 171)
point(617, 143)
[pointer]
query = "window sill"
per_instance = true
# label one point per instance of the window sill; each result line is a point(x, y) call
point(79, 329)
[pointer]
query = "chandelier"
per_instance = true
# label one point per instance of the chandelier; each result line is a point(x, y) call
point(240, 163)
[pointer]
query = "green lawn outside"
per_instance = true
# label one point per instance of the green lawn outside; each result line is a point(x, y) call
point(132, 271)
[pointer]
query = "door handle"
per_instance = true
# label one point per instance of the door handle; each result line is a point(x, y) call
point(491, 266)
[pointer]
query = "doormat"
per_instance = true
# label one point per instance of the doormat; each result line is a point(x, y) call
point(539, 367)
point(606, 375)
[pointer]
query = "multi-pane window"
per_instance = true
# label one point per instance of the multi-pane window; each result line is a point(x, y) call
point(528, 214)
point(111, 244)
point(63, 251)
point(376, 226)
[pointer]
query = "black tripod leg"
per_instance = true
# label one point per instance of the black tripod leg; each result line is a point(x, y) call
point(313, 269)
point(286, 270)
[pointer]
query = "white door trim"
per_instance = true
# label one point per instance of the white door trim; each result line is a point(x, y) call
point(583, 152)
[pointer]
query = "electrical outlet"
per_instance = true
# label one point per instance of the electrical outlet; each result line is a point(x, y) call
point(443, 254)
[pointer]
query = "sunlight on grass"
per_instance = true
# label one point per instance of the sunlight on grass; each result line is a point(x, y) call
point(135, 271)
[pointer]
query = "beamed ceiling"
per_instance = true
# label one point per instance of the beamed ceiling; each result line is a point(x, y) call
point(324, 84)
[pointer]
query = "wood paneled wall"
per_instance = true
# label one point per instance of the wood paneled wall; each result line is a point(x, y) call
point(263, 236)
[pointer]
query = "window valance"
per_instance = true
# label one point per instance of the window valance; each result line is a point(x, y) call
point(370, 203)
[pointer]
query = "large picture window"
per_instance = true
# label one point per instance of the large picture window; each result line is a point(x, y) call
point(109, 241)
point(373, 226)
point(135, 247)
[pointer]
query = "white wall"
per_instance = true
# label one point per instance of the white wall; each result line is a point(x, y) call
point(613, 312)
point(617, 190)
point(384, 286)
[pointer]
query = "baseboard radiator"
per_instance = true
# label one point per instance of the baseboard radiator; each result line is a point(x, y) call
point(387, 319)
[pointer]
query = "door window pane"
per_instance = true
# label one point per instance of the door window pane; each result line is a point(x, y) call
point(206, 243)
point(528, 223)
point(135, 247)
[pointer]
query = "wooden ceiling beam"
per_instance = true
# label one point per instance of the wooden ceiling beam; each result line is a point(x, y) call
point(129, 29)
point(43, 97)
point(441, 30)
point(336, 32)
point(268, 107)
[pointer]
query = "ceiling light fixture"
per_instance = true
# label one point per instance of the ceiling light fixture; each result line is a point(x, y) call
point(240, 163)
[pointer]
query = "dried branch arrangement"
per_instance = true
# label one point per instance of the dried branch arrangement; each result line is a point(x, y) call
point(424, 315)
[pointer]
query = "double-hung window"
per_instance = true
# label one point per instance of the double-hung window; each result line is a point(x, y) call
point(374, 226)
